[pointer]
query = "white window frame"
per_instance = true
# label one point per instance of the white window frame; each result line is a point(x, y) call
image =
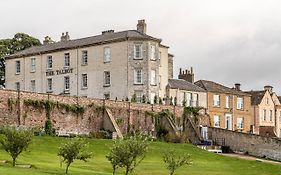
point(49, 84)
point(264, 115)
point(152, 96)
point(18, 67)
point(66, 83)
point(216, 100)
point(271, 115)
point(227, 101)
point(217, 121)
point(240, 103)
point(33, 65)
point(153, 80)
point(50, 62)
point(240, 123)
point(32, 85)
point(84, 81)
point(106, 54)
point(107, 78)
point(152, 52)
point(66, 60)
point(84, 57)
point(139, 95)
point(138, 53)
point(195, 98)
point(138, 76)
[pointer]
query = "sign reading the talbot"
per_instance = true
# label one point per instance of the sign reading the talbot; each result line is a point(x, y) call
point(59, 72)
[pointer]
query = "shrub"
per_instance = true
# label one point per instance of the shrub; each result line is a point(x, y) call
point(49, 130)
point(101, 134)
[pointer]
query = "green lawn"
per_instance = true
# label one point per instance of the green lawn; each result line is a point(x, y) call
point(43, 150)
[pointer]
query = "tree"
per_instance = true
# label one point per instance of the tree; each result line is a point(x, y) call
point(128, 153)
point(15, 141)
point(143, 99)
point(174, 161)
point(74, 149)
point(18, 43)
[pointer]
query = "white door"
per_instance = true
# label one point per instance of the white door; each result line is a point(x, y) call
point(228, 121)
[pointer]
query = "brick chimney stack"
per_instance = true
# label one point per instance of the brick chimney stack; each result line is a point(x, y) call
point(47, 40)
point(141, 26)
point(237, 86)
point(187, 75)
point(65, 37)
point(268, 88)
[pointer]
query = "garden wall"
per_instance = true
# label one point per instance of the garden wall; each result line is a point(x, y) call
point(255, 145)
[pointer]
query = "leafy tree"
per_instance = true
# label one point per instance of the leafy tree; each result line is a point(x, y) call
point(143, 99)
point(128, 153)
point(15, 141)
point(171, 101)
point(134, 98)
point(74, 149)
point(160, 101)
point(175, 101)
point(19, 42)
point(174, 161)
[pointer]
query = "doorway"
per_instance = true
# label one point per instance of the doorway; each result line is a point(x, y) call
point(228, 121)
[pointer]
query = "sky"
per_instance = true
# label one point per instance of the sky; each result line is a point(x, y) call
point(226, 41)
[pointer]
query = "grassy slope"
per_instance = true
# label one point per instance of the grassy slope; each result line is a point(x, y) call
point(42, 155)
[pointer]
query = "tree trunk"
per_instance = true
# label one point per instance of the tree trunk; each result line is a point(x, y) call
point(127, 171)
point(14, 162)
point(67, 166)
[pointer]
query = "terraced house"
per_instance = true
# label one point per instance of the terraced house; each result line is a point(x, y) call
point(113, 65)
point(228, 108)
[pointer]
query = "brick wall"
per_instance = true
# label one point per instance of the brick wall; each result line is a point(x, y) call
point(124, 113)
point(255, 145)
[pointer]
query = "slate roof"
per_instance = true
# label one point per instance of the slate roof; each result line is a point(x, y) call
point(211, 86)
point(84, 42)
point(184, 85)
point(256, 96)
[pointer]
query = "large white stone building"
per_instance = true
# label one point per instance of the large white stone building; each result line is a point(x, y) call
point(111, 65)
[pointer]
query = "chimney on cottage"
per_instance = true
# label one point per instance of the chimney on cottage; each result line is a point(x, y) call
point(187, 75)
point(237, 86)
point(65, 37)
point(268, 88)
point(141, 26)
point(107, 32)
point(47, 40)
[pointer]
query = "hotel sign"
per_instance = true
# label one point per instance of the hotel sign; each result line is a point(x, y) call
point(59, 72)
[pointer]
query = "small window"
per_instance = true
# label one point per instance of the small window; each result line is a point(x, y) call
point(17, 85)
point(66, 83)
point(227, 102)
point(188, 99)
point(17, 67)
point(216, 121)
point(216, 100)
point(32, 86)
point(49, 85)
point(33, 64)
point(84, 57)
point(139, 95)
point(66, 60)
point(138, 76)
point(49, 62)
point(106, 55)
point(270, 115)
point(107, 96)
point(195, 100)
point(240, 103)
point(137, 51)
point(152, 52)
point(264, 115)
point(106, 78)
point(153, 77)
point(240, 123)
point(84, 81)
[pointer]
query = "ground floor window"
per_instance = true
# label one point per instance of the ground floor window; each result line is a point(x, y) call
point(139, 95)
point(49, 84)
point(66, 83)
point(216, 121)
point(107, 96)
point(240, 123)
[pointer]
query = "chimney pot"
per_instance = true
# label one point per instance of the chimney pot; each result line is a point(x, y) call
point(237, 86)
point(268, 88)
point(141, 26)
point(187, 76)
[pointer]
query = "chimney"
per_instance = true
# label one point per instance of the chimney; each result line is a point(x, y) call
point(268, 88)
point(107, 32)
point(141, 26)
point(237, 86)
point(187, 75)
point(65, 37)
point(47, 40)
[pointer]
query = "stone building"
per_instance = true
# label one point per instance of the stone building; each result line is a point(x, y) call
point(113, 65)
point(186, 92)
point(265, 112)
point(228, 108)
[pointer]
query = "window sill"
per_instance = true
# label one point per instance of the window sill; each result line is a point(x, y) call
point(106, 62)
point(33, 71)
point(138, 58)
point(86, 64)
point(66, 91)
point(153, 59)
point(240, 109)
point(17, 73)
point(216, 106)
point(153, 84)
point(106, 85)
point(84, 88)
point(66, 67)
point(50, 91)
point(138, 84)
